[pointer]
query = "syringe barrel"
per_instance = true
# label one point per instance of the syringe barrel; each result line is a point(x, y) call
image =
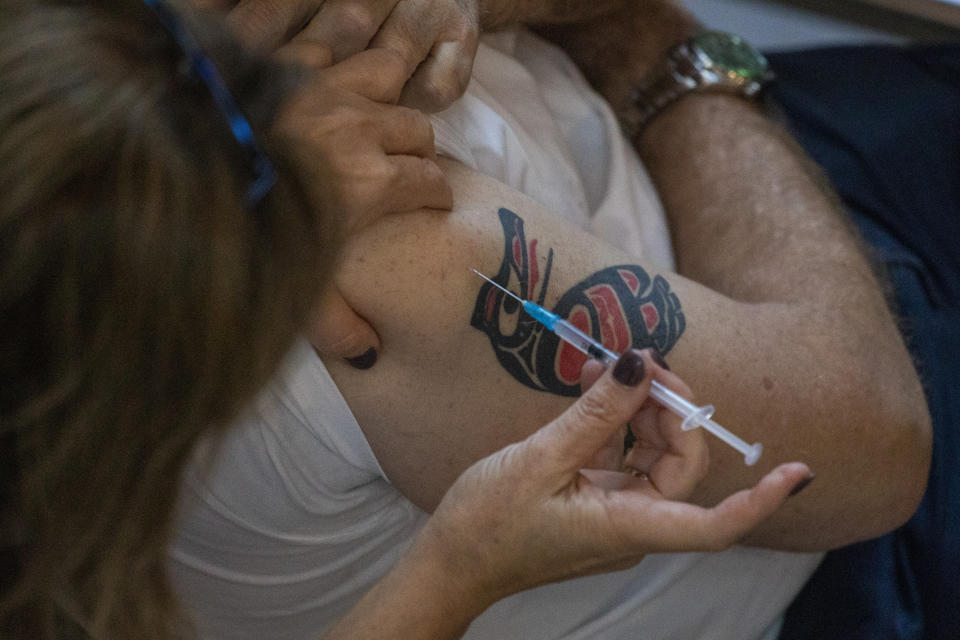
point(672, 400)
point(570, 334)
point(693, 415)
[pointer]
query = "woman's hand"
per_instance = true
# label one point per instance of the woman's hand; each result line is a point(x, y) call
point(360, 158)
point(436, 39)
point(532, 514)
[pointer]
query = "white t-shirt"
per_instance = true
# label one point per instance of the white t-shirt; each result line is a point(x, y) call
point(289, 518)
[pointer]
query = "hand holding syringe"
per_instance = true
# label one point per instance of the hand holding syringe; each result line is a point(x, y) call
point(693, 416)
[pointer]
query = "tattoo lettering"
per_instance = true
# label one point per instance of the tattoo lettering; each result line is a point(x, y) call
point(621, 306)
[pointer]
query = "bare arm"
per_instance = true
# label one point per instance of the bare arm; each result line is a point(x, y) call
point(753, 219)
point(755, 225)
point(821, 376)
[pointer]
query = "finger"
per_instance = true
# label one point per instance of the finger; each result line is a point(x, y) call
point(307, 53)
point(419, 183)
point(405, 131)
point(590, 373)
point(684, 461)
point(347, 26)
point(656, 426)
point(410, 33)
point(729, 521)
point(578, 433)
point(661, 525)
point(683, 457)
point(335, 329)
point(376, 74)
point(266, 24)
point(442, 78)
point(438, 48)
point(645, 449)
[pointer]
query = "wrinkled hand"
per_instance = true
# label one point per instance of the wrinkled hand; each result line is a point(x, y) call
point(673, 461)
point(436, 39)
point(531, 514)
point(359, 159)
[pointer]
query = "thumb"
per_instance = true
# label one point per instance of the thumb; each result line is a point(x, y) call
point(590, 373)
point(728, 522)
point(579, 432)
point(335, 329)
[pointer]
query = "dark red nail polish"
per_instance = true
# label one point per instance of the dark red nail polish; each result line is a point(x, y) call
point(364, 361)
point(629, 369)
point(802, 484)
point(658, 358)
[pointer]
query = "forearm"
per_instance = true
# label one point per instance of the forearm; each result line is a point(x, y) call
point(749, 214)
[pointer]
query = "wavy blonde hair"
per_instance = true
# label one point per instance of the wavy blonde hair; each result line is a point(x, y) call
point(140, 303)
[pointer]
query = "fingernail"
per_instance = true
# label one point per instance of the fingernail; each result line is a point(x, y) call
point(802, 484)
point(658, 358)
point(365, 361)
point(629, 369)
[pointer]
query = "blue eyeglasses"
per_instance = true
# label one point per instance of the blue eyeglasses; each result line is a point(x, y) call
point(203, 67)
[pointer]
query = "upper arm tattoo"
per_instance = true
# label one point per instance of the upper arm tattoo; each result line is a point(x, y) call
point(621, 306)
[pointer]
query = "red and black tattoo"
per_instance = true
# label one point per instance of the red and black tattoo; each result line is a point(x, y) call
point(622, 306)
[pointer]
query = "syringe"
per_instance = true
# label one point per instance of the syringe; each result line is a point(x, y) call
point(693, 416)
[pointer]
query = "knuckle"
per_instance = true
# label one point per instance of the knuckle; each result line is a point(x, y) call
point(354, 21)
point(467, 30)
point(311, 53)
point(385, 171)
point(397, 61)
point(439, 93)
point(718, 537)
point(432, 173)
point(592, 407)
point(417, 124)
point(406, 38)
point(424, 179)
point(344, 117)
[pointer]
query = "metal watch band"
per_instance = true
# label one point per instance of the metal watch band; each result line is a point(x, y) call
point(683, 70)
point(674, 78)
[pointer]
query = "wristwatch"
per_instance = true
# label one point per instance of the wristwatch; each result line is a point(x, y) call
point(709, 61)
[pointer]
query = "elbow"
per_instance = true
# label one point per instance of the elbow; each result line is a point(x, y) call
point(898, 462)
point(913, 450)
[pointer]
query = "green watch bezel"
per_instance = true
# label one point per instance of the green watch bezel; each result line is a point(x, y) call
point(730, 54)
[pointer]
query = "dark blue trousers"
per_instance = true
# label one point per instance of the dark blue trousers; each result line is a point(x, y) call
point(885, 125)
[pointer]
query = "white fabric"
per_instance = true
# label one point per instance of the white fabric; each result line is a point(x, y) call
point(292, 518)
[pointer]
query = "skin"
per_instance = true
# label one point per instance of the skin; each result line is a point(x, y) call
point(810, 343)
point(436, 39)
point(784, 328)
point(429, 48)
point(532, 513)
point(361, 156)
point(753, 219)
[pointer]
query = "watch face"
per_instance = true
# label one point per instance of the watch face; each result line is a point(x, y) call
point(731, 54)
